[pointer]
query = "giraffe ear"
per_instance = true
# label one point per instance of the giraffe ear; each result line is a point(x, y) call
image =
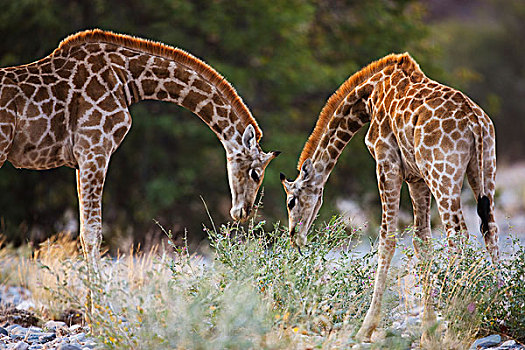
point(270, 155)
point(248, 138)
point(307, 169)
point(286, 183)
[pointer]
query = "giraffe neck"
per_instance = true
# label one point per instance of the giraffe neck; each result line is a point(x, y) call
point(347, 122)
point(349, 117)
point(150, 77)
point(350, 107)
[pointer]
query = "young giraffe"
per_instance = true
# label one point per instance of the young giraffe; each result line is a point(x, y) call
point(421, 132)
point(71, 108)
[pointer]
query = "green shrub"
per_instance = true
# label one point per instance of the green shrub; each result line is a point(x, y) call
point(315, 291)
point(256, 291)
point(474, 297)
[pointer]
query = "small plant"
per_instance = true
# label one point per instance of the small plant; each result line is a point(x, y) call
point(474, 297)
point(315, 292)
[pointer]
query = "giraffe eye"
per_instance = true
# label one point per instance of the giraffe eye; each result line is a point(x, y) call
point(291, 203)
point(254, 175)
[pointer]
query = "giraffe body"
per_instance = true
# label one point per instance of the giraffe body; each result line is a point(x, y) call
point(421, 132)
point(71, 109)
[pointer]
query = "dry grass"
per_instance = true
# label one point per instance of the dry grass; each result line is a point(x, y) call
point(257, 292)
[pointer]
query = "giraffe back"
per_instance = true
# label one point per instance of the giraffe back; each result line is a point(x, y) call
point(426, 122)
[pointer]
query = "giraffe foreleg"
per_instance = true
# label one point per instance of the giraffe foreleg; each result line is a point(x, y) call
point(90, 183)
point(389, 183)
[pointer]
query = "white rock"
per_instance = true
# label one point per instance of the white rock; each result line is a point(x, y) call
point(20, 346)
point(54, 325)
point(78, 337)
point(486, 342)
point(26, 305)
point(75, 328)
point(508, 344)
point(34, 329)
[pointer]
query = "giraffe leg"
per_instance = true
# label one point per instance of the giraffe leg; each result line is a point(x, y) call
point(90, 182)
point(421, 198)
point(491, 236)
point(389, 183)
point(449, 206)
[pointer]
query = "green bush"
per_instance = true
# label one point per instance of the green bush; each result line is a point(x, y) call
point(256, 291)
point(473, 297)
point(316, 291)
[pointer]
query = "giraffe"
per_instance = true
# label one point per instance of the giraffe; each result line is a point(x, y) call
point(421, 132)
point(71, 109)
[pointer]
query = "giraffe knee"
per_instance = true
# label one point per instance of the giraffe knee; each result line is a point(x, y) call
point(91, 239)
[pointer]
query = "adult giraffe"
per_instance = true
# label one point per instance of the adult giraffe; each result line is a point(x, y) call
point(71, 108)
point(421, 132)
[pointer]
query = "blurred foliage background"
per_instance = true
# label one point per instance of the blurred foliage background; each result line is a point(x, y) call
point(285, 58)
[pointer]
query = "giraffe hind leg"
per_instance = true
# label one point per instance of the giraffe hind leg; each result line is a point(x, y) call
point(485, 206)
point(421, 199)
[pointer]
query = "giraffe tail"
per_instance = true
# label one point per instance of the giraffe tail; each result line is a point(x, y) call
point(483, 207)
point(483, 212)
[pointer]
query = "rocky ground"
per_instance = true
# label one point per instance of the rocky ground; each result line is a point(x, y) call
point(21, 329)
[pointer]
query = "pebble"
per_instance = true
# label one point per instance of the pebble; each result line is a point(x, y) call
point(486, 342)
point(26, 305)
point(75, 328)
point(18, 330)
point(3, 331)
point(68, 347)
point(20, 346)
point(53, 335)
point(57, 335)
point(508, 344)
point(54, 325)
point(36, 347)
point(78, 337)
point(46, 337)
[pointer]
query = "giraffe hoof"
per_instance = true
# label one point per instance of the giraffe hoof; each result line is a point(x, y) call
point(364, 335)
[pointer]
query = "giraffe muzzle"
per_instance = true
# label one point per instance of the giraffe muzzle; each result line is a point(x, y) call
point(241, 214)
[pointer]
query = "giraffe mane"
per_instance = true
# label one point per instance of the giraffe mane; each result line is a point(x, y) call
point(340, 94)
point(176, 54)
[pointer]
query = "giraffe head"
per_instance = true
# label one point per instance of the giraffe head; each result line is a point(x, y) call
point(304, 198)
point(245, 174)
